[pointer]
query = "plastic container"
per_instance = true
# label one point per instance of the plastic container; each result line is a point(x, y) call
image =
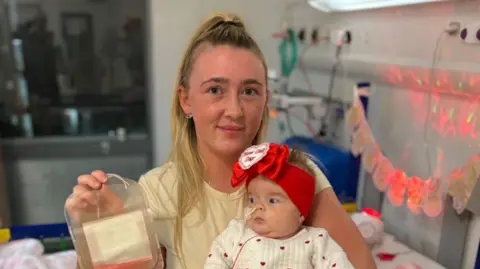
point(117, 231)
point(370, 225)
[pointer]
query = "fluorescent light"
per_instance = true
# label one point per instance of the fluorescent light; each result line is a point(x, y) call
point(351, 5)
point(320, 5)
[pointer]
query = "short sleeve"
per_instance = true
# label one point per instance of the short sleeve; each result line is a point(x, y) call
point(321, 181)
point(160, 193)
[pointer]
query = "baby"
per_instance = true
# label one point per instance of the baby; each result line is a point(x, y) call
point(281, 188)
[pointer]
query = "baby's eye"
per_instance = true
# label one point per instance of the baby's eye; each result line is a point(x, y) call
point(273, 201)
point(251, 200)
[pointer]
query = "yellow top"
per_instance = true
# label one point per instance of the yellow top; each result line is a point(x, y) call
point(4, 235)
point(161, 190)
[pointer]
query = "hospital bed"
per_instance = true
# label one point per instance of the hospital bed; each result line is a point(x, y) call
point(405, 258)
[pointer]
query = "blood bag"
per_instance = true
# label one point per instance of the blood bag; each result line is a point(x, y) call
point(116, 230)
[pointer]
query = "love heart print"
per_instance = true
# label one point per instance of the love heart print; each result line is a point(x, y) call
point(252, 155)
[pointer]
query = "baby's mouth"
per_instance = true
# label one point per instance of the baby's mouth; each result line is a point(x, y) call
point(258, 220)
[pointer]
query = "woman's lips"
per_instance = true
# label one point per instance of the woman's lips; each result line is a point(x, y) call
point(230, 129)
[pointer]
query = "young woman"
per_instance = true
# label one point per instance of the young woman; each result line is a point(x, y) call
point(218, 110)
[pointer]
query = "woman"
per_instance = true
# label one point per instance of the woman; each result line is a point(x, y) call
point(219, 109)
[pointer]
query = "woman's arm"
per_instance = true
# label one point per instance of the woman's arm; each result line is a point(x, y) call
point(328, 213)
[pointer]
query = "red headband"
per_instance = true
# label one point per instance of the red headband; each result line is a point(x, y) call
point(271, 161)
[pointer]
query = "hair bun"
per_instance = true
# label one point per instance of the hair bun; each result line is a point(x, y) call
point(223, 20)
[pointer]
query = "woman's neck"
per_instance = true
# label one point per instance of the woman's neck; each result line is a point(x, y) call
point(218, 169)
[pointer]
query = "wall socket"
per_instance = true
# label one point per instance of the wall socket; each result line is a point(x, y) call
point(470, 33)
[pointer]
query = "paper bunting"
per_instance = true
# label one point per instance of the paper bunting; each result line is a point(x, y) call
point(382, 172)
point(355, 115)
point(362, 137)
point(427, 196)
point(396, 190)
point(462, 183)
point(371, 157)
point(415, 194)
point(434, 197)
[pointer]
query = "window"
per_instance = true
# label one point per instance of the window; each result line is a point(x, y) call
point(79, 68)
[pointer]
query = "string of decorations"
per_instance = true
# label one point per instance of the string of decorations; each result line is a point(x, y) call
point(420, 195)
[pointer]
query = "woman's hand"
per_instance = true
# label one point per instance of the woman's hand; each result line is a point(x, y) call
point(90, 194)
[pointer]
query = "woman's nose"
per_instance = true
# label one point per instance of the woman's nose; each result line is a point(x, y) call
point(234, 107)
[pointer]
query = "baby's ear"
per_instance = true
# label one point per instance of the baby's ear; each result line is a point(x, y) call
point(302, 219)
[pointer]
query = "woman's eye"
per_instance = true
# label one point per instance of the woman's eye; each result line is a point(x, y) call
point(273, 201)
point(214, 90)
point(250, 91)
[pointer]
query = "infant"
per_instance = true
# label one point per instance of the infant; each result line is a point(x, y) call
point(281, 188)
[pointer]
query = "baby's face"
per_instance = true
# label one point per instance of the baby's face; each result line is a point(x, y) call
point(275, 215)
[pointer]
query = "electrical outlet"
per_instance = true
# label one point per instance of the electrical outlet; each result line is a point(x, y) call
point(301, 35)
point(314, 36)
point(453, 27)
point(470, 34)
point(341, 37)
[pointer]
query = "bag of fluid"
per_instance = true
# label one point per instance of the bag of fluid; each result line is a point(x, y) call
point(116, 231)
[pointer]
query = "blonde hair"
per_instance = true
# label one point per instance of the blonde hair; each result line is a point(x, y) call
point(219, 29)
point(300, 159)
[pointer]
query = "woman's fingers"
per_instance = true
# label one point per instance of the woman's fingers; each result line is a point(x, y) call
point(84, 194)
point(100, 176)
point(91, 194)
point(90, 181)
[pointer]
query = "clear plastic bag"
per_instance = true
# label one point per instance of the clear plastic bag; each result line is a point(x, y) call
point(117, 231)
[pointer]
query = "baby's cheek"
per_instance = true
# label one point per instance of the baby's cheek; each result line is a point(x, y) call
point(289, 225)
point(250, 223)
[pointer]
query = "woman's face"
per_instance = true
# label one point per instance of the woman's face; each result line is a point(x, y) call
point(227, 96)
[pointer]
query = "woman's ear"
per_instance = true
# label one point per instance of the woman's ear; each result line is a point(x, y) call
point(184, 101)
point(302, 219)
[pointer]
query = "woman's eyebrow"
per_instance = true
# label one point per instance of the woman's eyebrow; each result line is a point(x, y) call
point(223, 80)
point(251, 81)
point(216, 79)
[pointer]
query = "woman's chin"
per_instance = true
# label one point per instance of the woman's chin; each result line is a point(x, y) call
point(231, 147)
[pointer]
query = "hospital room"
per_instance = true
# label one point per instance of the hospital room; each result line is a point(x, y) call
point(127, 112)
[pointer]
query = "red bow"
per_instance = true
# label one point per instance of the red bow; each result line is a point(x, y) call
point(270, 166)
